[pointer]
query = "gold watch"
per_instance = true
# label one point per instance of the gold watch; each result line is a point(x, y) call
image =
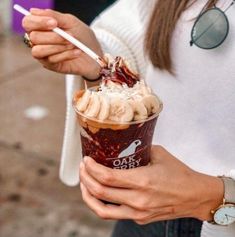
point(225, 213)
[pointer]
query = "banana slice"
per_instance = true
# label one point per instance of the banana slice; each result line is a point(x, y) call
point(104, 108)
point(83, 102)
point(93, 107)
point(151, 103)
point(140, 112)
point(120, 111)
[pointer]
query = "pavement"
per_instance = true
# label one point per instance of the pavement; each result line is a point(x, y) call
point(33, 201)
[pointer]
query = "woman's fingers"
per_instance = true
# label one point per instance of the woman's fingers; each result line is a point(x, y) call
point(43, 51)
point(115, 195)
point(137, 199)
point(47, 38)
point(109, 211)
point(94, 204)
point(132, 178)
point(64, 56)
point(114, 212)
point(31, 23)
point(65, 21)
point(48, 20)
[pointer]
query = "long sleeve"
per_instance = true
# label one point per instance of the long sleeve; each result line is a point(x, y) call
point(120, 30)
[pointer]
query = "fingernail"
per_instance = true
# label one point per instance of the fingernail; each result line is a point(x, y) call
point(51, 22)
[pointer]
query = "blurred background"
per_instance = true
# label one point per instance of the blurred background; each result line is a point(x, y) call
point(33, 201)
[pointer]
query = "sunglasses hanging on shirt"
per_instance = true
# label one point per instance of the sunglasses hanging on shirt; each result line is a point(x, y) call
point(210, 28)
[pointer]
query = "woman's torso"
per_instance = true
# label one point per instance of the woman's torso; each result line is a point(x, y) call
point(197, 124)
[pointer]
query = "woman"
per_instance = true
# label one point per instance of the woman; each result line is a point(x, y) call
point(195, 131)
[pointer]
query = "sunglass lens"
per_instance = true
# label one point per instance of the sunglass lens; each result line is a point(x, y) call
point(211, 29)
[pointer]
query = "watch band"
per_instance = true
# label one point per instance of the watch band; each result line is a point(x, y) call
point(229, 189)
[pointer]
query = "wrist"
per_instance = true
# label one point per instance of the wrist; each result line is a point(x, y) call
point(211, 194)
point(93, 81)
point(93, 73)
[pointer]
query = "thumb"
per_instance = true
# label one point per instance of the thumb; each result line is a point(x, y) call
point(157, 154)
point(65, 21)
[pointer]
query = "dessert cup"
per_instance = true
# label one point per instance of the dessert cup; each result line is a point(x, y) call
point(123, 145)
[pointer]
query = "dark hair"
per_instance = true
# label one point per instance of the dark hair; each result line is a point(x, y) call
point(161, 26)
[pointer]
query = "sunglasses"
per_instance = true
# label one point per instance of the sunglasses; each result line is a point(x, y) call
point(210, 28)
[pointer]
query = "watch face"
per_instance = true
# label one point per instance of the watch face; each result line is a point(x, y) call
point(225, 215)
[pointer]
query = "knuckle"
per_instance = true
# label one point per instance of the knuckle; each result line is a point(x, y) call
point(98, 191)
point(33, 37)
point(142, 203)
point(108, 177)
point(49, 11)
point(36, 52)
point(70, 17)
point(145, 182)
point(51, 59)
point(140, 222)
point(141, 219)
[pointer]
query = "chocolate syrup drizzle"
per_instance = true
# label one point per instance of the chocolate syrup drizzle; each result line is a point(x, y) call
point(119, 72)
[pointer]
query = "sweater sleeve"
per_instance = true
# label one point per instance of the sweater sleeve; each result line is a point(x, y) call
point(121, 29)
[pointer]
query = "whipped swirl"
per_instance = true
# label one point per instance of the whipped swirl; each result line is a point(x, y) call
point(118, 71)
point(121, 97)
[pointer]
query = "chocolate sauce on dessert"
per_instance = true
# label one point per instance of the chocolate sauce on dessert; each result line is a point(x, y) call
point(119, 72)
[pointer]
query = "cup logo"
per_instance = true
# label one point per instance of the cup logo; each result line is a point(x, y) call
point(130, 150)
point(127, 158)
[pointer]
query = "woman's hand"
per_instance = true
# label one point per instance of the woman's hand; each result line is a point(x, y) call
point(54, 52)
point(166, 189)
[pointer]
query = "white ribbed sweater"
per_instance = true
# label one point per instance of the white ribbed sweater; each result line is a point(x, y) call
point(197, 124)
